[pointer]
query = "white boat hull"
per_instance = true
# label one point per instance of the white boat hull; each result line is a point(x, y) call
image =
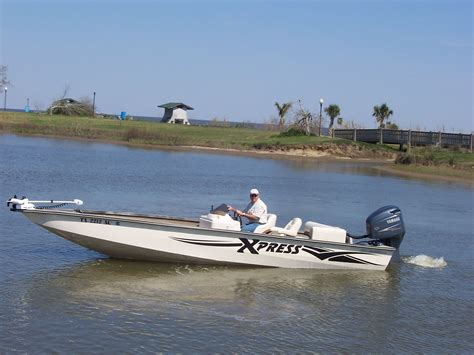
point(182, 241)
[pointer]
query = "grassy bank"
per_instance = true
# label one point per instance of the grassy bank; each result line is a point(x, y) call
point(443, 173)
point(432, 162)
point(158, 134)
point(449, 164)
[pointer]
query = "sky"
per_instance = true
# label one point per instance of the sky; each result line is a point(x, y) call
point(234, 59)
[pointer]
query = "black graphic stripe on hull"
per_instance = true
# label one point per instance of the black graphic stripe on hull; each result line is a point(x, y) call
point(319, 250)
point(320, 253)
point(340, 256)
point(207, 243)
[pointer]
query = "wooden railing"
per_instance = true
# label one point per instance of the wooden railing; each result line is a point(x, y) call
point(409, 137)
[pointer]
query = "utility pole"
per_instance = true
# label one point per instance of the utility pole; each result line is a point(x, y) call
point(321, 101)
point(5, 99)
point(93, 106)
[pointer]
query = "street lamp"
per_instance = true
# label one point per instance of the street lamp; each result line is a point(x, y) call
point(321, 101)
point(5, 99)
point(93, 106)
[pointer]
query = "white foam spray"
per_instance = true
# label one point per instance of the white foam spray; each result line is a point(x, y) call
point(426, 261)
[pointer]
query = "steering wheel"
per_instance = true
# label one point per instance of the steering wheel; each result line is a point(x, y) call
point(237, 218)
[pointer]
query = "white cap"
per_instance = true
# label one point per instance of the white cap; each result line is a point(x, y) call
point(254, 192)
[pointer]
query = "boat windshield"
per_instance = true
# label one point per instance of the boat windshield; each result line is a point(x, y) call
point(220, 210)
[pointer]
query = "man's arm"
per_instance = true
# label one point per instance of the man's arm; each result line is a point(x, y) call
point(250, 216)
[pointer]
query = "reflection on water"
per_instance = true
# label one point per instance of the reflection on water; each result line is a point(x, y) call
point(58, 297)
point(112, 278)
point(142, 298)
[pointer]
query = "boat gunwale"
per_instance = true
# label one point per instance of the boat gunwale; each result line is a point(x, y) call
point(129, 217)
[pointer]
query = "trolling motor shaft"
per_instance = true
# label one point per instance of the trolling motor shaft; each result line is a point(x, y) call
point(18, 204)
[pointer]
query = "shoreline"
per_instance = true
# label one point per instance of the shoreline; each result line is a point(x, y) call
point(385, 165)
point(291, 154)
point(398, 170)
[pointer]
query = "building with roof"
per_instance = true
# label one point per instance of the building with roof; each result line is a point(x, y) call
point(176, 112)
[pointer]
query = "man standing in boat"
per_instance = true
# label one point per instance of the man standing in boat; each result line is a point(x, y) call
point(255, 212)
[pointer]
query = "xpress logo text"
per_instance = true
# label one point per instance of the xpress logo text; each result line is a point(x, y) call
point(255, 246)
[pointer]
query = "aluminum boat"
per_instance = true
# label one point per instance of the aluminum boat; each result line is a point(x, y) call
point(215, 238)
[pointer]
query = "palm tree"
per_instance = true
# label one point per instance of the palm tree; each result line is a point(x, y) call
point(282, 111)
point(381, 113)
point(333, 111)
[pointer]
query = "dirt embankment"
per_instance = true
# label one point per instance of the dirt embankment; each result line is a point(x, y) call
point(349, 151)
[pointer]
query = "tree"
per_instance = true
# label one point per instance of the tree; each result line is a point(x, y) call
point(381, 113)
point(351, 125)
point(303, 119)
point(333, 111)
point(392, 125)
point(66, 89)
point(71, 107)
point(3, 77)
point(282, 111)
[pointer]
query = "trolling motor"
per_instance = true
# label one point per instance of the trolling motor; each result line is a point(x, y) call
point(18, 204)
point(384, 226)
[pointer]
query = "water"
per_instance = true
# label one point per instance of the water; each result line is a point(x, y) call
point(58, 297)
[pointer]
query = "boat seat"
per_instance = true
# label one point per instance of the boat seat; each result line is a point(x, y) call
point(271, 222)
point(291, 228)
point(325, 232)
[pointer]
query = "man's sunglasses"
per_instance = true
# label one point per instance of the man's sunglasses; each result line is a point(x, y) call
point(253, 195)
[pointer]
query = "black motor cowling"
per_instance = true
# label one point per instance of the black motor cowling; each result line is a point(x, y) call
point(386, 226)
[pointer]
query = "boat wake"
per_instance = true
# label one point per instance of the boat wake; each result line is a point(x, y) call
point(426, 261)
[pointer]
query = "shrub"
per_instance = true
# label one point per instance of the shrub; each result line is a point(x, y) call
point(244, 125)
point(71, 107)
point(428, 158)
point(292, 132)
point(391, 125)
point(217, 122)
point(405, 159)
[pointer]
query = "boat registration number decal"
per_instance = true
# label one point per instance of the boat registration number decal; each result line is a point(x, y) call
point(99, 221)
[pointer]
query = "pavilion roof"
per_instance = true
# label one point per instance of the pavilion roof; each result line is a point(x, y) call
point(173, 105)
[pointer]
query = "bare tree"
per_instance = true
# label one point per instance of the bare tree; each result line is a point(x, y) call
point(66, 89)
point(86, 100)
point(272, 124)
point(71, 107)
point(38, 106)
point(351, 125)
point(3, 77)
point(304, 119)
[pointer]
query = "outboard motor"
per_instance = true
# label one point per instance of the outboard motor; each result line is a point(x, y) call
point(386, 226)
